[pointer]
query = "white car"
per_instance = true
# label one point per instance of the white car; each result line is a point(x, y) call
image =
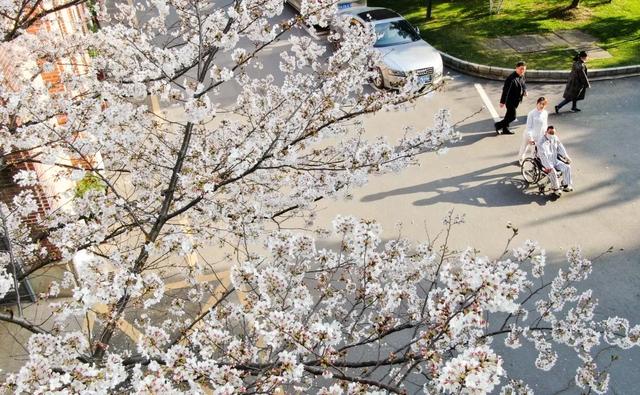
point(342, 4)
point(403, 51)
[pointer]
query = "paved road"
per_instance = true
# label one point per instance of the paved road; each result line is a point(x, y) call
point(478, 177)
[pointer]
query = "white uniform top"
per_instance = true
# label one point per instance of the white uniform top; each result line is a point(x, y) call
point(536, 124)
point(548, 151)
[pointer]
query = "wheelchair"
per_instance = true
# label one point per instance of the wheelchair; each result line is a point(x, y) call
point(531, 170)
point(533, 173)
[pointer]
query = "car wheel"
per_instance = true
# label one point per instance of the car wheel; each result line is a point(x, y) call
point(378, 80)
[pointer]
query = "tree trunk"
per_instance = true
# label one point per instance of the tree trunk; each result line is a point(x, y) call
point(429, 7)
point(574, 3)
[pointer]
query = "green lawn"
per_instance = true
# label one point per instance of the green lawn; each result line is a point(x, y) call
point(458, 27)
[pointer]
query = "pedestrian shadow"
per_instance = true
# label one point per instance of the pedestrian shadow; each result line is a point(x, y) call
point(473, 132)
point(482, 188)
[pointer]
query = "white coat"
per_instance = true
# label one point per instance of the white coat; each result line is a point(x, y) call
point(536, 127)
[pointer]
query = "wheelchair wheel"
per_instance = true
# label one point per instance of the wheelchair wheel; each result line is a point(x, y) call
point(530, 171)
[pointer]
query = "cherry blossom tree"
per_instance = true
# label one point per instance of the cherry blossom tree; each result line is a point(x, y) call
point(162, 188)
point(16, 16)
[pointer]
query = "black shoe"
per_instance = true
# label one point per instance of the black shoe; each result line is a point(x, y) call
point(576, 109)
point(557, 109)
point(495, 125)
point(507, 131)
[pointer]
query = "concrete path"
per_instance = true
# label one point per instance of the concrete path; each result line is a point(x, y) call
point(530, 43)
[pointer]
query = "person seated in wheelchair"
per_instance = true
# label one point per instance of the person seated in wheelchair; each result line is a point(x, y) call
point(554, 158)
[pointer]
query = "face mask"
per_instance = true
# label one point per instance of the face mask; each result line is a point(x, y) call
point(552, 138)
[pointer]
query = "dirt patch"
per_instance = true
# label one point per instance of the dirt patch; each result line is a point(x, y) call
point(572, 14)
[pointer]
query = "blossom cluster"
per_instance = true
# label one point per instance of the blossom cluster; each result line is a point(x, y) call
point(209, 180)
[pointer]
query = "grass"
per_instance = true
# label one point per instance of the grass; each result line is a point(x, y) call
point(459, 27)
point(90, 182)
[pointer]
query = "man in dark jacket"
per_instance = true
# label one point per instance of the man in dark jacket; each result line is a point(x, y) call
point(512, 92)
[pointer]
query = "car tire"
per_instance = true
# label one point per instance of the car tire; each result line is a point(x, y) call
point(378, 80)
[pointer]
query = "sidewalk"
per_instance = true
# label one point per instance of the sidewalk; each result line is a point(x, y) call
point(524, 44)
point(575, 40)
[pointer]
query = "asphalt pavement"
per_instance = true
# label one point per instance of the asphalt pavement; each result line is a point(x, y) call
point(479, 177)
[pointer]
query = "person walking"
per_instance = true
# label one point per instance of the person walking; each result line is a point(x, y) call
point(513, 91)
point(577, 83)
point(536, 127)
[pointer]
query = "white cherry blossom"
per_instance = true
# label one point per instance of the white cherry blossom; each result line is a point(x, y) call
point(183, 261)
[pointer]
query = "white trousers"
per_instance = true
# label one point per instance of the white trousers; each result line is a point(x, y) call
point(566, 175)
point(525, 147)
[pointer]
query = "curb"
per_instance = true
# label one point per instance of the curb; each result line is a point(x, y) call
point(500, 73)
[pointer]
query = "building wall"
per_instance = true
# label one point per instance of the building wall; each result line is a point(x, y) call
point(62, 23)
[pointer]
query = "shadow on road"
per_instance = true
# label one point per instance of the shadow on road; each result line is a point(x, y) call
point(473, 132)
point(483, 188)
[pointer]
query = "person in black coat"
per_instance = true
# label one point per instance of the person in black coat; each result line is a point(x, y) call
point(512, 92)
point(577, 83)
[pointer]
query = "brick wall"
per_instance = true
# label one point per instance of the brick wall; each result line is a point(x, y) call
point(8, 188)
point(13, 163)
point(63, 22)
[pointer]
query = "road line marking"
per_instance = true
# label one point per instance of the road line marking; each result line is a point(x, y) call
point(487, 102)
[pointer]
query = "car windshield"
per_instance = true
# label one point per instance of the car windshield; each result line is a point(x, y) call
point(394, 33)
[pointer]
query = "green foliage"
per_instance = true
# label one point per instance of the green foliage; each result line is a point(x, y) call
point(92, 52)
point(461, 28)
point(93, 25)
point(90, 182)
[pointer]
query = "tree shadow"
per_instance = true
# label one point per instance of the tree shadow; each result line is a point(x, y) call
point(605, 152)
point(613, 28)
point(482, 188)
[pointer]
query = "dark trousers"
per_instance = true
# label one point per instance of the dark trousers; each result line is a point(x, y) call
point(565, 101)
point(508, 118)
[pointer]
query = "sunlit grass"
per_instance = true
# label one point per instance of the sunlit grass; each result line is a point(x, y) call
point(459, 27)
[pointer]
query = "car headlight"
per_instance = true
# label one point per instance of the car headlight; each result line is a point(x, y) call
point(398, 73)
